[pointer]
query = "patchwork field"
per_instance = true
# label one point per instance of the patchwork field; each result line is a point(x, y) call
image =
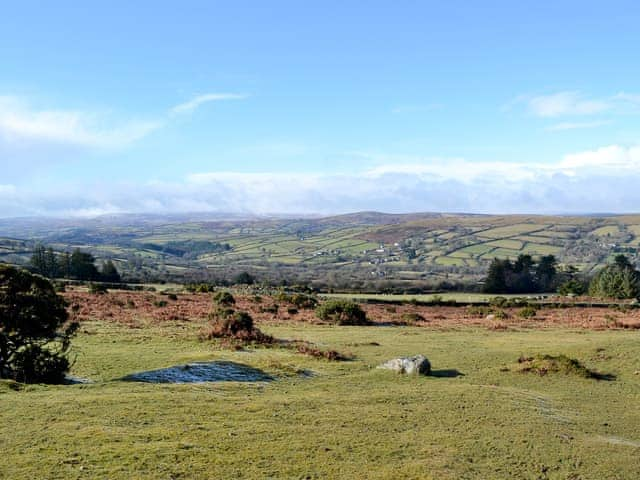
point(358, 247)
point(476, 416)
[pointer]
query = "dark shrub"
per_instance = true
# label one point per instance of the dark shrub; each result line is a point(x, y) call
point(97, 288)
point(232, 325)
point(160, 303)
point(224, 298)
point(342, 312)
point(500, 315)
point(499, 302)
point(299, 300)
point(244, 278)
point(270, 309)
point(527, 312)
point(479, 310)
point(412, 318)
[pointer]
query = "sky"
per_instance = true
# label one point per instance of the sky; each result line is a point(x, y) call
point(319, 107)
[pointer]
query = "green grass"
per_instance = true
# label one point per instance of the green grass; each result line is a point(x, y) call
point(540, 249)
point(606, 230)
point(350, 420)
point(449, 261)
point(509, 244)
point(513, 230)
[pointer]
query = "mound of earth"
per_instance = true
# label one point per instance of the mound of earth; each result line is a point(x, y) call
point(548, 364)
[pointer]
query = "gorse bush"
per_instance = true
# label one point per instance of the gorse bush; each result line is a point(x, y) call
point(527, 312)
point(479, 310)
point(412, 318)
point(342, 312)
point(34, 330)
point(299, 300)
point(229, 324)
point(223, 298)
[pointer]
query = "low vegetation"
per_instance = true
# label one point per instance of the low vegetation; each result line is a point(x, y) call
point(341, 312)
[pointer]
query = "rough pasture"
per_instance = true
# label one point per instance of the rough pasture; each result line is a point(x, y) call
point(136, 308)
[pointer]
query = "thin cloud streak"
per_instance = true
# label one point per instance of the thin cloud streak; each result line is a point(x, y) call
point(196, 102)
point(559, 127)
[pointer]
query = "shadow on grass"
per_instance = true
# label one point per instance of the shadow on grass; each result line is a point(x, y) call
point(446, 373)
point(198, 372)
point(607, 377)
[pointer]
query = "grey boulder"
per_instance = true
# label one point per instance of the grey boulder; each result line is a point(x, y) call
point(418, 365)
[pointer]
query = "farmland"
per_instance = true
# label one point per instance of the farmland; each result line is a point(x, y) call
point(476, 416)
point(353, 250)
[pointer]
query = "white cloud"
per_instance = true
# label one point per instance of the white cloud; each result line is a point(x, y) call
point(559, 127)
point(613, 159)
point(599, 180)
point(566, 103)
point(628, 97)
point(20, 122)
point(195, 102)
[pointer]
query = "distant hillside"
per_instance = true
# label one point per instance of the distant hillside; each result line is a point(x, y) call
point(359, 247)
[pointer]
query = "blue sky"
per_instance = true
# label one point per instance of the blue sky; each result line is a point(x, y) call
point(319, 107)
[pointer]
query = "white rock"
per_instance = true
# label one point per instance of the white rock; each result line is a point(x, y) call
point(418, 365)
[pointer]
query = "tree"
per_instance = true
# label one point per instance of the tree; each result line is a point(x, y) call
point(44, 261)
point(34, 330)
point(618, 280)
point(109, 273)
point(522, 276)
point(496, 276)
point(545, 273)
point(37, 259)
point(244, 278)
point(82, 266)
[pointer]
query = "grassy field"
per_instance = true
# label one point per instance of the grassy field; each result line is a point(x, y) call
point(476, 417)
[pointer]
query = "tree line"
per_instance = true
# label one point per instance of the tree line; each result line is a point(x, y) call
point(77, 265)
point(528, 275)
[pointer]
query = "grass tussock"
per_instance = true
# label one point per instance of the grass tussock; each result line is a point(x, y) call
point(549, 364)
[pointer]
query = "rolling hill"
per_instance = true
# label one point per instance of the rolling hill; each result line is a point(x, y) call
point(359, 247)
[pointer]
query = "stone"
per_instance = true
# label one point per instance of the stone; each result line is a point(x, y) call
point(418, 365)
